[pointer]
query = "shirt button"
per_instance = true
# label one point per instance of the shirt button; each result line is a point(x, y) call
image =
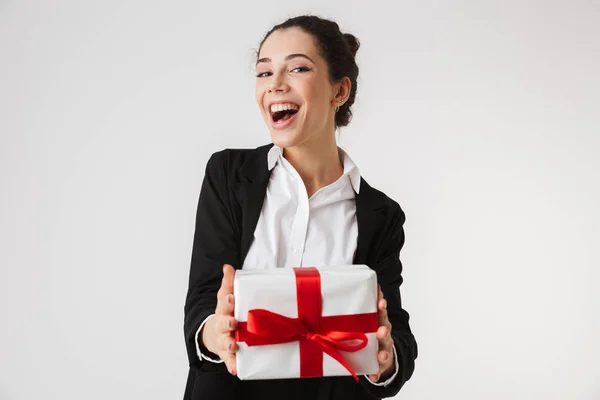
point(296, 251)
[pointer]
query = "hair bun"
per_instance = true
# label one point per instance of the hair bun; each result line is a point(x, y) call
point(352, 41)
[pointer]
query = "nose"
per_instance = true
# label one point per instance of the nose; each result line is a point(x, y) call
point(275, 88)
point(277, 85)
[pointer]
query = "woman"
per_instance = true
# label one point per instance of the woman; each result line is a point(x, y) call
point(297, 201)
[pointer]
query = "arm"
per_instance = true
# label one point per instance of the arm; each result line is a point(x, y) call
point(389, 269)
point(215, 244)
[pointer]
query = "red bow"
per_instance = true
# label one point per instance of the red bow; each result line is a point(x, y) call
point(316, 334)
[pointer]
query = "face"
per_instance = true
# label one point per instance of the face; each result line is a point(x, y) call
point(293, 90)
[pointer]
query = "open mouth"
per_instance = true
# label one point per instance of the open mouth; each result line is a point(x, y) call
point(280, 116)
point(282, 112)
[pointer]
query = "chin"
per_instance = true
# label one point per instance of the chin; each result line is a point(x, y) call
point(284, 139)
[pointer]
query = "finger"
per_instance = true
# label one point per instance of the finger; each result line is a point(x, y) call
point(226, 324)
point(383, 357)
point(230, 363)
point(382, 332)
point(379, 293)
point(382, 304)
point(227, 282)
point(228, 344)
point(385, 338)
point(382, 315)
point(226, 305)
point(228, 276)
point(374, 377)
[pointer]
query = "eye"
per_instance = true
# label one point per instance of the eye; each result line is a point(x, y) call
point(262, 74)
point(301, 69)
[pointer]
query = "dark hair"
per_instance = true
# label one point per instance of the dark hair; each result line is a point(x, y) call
point(337, 48)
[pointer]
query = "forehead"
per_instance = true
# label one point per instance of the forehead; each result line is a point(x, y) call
point(288, 41)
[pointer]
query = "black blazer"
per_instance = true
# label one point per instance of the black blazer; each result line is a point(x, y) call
point(230, 203)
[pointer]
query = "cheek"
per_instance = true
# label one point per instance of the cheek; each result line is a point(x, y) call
point(316, 91)
point(318, 98)
point(257, 93)
point(259, 97)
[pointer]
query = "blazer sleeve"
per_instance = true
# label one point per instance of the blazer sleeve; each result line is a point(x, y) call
point(389, 276)
point(216, 242)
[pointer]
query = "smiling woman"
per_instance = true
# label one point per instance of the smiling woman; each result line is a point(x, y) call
point(315, 83)
point(298, 201)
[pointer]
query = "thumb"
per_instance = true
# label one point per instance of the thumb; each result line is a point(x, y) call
point(228, 276)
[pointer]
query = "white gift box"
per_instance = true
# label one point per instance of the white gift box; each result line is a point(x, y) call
point(347, 293)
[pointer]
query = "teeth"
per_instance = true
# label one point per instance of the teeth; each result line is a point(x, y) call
point(283, 107)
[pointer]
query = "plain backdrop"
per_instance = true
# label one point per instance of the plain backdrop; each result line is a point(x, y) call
point(481, 118)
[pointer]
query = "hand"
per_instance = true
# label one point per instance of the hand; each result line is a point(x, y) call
point(386, 343)
point(217, 332)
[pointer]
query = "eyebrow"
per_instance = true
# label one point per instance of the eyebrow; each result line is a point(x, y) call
point(287, 58)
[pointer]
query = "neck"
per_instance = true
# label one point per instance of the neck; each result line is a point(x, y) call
point(318, 164)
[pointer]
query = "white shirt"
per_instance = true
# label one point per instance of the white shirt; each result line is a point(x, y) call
point(294, 230)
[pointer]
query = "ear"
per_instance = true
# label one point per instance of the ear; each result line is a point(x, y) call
point(341, 92)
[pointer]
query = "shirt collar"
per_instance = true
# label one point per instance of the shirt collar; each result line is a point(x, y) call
point(350, 168)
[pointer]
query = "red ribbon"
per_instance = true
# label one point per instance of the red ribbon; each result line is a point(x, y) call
point(316, 334)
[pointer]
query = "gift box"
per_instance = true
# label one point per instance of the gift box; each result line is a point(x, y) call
point(306, 322)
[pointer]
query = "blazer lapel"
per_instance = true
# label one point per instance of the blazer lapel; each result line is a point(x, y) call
point(249, 191)
point(369, 217)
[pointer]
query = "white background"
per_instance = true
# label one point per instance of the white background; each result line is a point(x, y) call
point(481, 118)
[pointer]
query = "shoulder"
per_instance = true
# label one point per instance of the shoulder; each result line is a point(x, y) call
point(237, 156)
point(231, 159)
point(383, 202)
